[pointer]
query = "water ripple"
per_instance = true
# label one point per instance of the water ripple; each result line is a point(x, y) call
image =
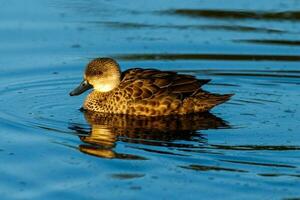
point(236, 14)
point(221, 57)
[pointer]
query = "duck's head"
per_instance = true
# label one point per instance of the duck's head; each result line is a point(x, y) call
point(102, 74)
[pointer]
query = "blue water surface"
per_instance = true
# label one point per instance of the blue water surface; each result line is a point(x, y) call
point(247, 148)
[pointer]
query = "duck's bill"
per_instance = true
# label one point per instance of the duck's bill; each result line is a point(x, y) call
point(84, 86)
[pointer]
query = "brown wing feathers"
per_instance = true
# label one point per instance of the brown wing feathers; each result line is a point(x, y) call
point(146, 82)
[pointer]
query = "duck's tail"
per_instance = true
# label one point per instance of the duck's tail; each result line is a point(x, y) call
point(203, 101)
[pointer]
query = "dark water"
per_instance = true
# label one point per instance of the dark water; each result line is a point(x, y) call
point(248, 148)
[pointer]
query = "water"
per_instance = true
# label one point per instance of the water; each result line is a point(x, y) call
point(248, 148)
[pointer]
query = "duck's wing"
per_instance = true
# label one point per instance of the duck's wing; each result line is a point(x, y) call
point(152, 83)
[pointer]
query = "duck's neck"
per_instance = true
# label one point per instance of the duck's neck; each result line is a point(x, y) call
point(104, 88)
point(98, 94)
point(107, 84)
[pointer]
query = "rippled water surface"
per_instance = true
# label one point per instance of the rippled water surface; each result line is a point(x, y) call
point(247, 148)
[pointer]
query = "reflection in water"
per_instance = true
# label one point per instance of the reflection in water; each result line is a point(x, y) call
point(107, 130)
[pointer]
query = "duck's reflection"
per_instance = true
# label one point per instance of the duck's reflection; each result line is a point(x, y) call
point(106, 130)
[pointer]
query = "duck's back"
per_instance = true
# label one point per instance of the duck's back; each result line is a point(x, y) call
point(153, 92)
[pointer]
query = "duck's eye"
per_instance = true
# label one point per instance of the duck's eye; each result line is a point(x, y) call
point(100, 73)
point(96, 74)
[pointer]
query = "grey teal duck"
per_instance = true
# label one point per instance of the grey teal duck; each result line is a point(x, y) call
point(147, 92)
